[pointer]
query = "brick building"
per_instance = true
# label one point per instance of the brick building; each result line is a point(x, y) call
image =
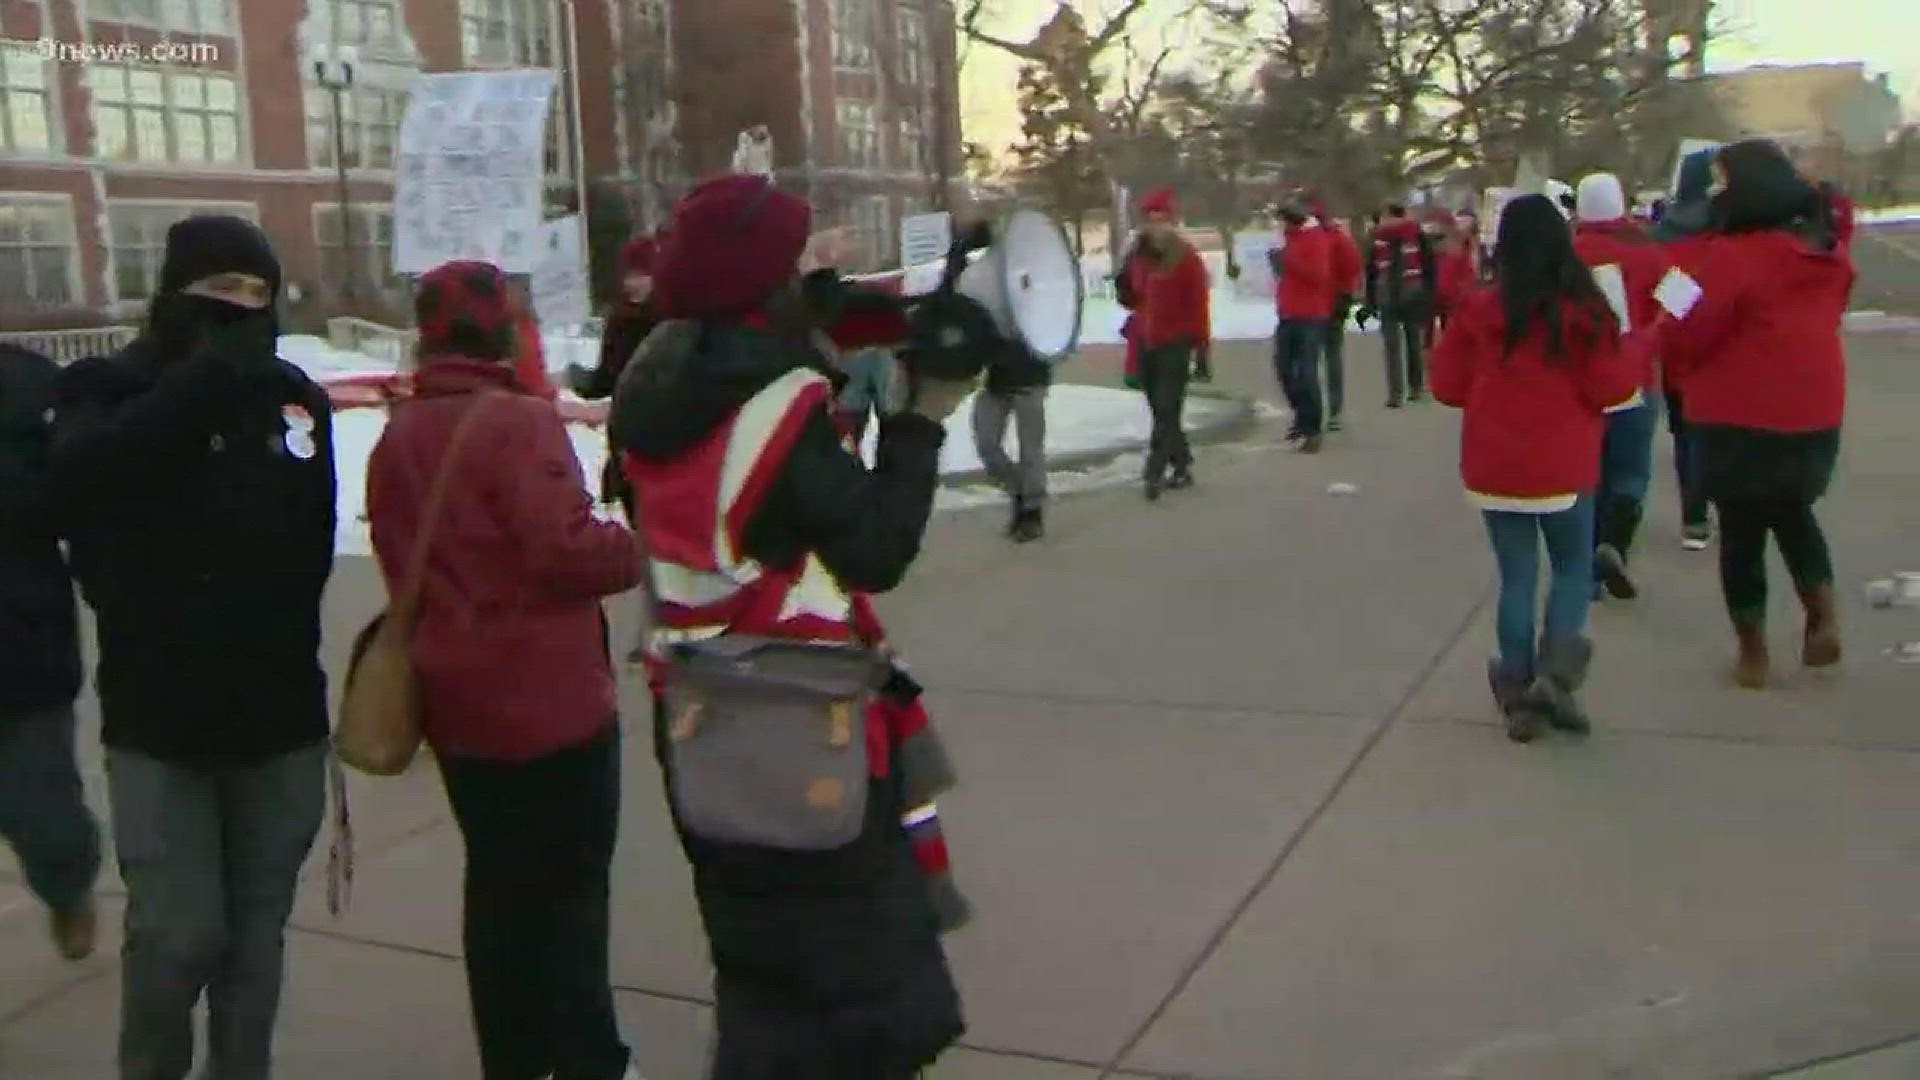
point(140, 112)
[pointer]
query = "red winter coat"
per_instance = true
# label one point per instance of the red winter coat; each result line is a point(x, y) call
point(1643, 262)
point(1308, 283)
point(1459, 274)
point(1532, 427)
point(1761, 349)
point(1173, 302)
point(511, 646)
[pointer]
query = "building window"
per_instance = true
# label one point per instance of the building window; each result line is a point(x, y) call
point(853, 34)
point(913, 145)
point(859, 135)
point(370, 117)
point(137, 238)
point(371, 250)
point(373, 25)
point(913, 47)
point(200, 16)
point(521, 33)
point(872, 227)
point(38, 252)
point(165, 114)
point(24, 112)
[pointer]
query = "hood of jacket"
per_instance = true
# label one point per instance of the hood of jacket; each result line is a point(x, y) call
point(687, 378)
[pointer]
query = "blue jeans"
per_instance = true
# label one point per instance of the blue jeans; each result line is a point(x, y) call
point(1686, 463)
point(1516, 551)
point(42, 811)
point(1626, 455)
point(1296, 361)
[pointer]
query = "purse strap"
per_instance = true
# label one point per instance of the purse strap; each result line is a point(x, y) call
point(407, 604)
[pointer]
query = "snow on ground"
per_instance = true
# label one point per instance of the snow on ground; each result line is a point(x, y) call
point(1079, 419)
point(1889, 215)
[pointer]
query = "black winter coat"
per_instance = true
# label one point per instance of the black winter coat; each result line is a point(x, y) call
point(828, 965)
point(201, 530)
point(39, 624)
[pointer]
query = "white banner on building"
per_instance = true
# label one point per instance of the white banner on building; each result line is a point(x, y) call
point(559, 277)
point(925, 238)
point(469, 169)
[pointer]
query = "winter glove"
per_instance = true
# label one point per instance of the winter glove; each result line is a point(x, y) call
point(1365, 314)
point(1131, 381)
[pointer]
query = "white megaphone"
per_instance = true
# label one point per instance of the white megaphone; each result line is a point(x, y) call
point(1028, 280)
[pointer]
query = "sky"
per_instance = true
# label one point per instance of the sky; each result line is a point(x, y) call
point(1761, 31)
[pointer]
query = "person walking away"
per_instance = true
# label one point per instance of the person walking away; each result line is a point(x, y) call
point(43, 813)
point(1306, 290)
point(1533, 362)
point(1761, 365)
point(828, 964)
point(1457, 267)
point(516, 686)
point(1349, 281)
point(1174, 308)
point(1681, 217)
point(1016, 390)
point(626, 326)
point(1614, 246)
point(193, 473)
point(1401, 280)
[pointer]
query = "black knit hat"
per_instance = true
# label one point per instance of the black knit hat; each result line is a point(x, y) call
point(207, 244)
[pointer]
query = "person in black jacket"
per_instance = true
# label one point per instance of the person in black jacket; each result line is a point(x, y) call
point(1402, 281)
point(1016, 389)
point(43, 813)
point(194, 474)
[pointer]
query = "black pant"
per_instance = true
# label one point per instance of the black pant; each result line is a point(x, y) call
point(1164, 372)
point(540, 837)
point(1403, 331)
point(1686, 462)
point(1296, 361)
point(1744, 525)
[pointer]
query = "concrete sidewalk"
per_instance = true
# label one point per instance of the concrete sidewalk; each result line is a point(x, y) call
point(1235, 804)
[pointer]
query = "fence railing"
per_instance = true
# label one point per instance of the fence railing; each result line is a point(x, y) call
point(384, 343)
point(66, 346)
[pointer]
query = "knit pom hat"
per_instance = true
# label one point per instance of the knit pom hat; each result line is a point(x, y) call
point(734, 241)
point(1601, 198)
point(204, 245)
point(1160, 201)
point(463, 308)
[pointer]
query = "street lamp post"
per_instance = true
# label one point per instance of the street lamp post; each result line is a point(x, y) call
point(334, 73)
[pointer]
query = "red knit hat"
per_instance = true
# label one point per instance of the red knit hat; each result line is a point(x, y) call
point(1160, 201)
point(463, 308)
point(733, 242)
point(637, 256)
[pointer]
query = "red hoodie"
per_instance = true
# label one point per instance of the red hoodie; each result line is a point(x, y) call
point(1308, 284)
point(1174, 303)
point(1761, 348)
point(1642, 262)
point(1533, 426)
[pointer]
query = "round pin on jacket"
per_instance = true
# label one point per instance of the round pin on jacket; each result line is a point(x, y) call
point(297, 417)
point(301, 445)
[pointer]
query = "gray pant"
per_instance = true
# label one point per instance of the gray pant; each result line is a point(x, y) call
point(210, 857)
point(43, 812)
point(1028, 409)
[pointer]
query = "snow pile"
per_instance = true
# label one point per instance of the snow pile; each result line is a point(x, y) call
point(323, 362)
point(1889, 215)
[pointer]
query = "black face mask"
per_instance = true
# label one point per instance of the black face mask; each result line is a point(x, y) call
point(177, 322)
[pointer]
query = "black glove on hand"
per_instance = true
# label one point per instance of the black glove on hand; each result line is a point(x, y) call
point(1365, 314)
point(1203, 366)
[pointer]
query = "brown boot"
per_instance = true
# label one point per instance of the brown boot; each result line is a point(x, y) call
point(1750, 670)
point(1821, 647)
point(75, 931)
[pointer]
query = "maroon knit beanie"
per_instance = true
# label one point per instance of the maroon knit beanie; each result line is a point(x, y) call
point(734, 241)
point(463, 308)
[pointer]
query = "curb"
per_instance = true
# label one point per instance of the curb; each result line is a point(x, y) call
point(1231, 425)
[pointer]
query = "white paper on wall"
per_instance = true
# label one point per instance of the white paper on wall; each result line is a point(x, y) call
point(925, 238)
point(559, 277)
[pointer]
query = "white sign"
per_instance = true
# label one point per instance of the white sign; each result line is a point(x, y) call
point(559, 280)
point(1688, 148)
point(1250, 250)
point(469, 169)
point(1678, 293)
point(925, 238)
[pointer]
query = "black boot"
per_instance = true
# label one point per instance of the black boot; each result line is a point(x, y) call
point(1019, 514)
point(1619, 520)
point(1029, 525)
point(1561, 671)
point(1509, 686)
point(1181, 478)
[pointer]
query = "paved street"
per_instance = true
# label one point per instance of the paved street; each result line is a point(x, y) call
point(1235, 804)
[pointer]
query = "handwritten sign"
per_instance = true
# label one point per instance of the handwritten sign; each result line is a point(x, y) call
point(559, 278)
point(469, 169)
point(925, 238)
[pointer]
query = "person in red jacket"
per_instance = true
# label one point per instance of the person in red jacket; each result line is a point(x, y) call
point(1760, 360)
point(1534, 362)
point(1306, 292)
point(1401, 280)
point(1629, 262)
point(1349, 280)
point(1457, 267)
point(516, 686)
point(1174, 325)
